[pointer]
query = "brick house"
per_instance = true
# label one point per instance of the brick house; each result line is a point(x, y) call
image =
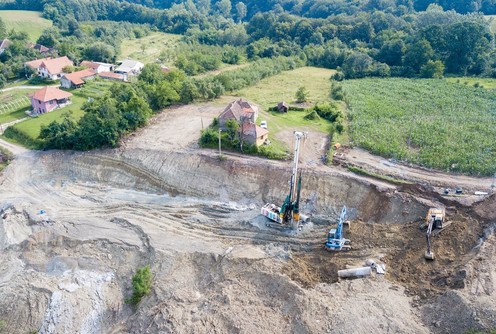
point(241, 111)
point(253, 134)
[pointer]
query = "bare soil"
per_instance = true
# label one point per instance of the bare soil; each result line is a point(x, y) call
point(75, 226)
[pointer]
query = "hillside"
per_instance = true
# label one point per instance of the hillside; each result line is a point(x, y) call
point(26, 21)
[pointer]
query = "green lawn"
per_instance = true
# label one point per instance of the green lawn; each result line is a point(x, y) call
point(22, 20)
point(270, 91)
point(149, 48)
point(428, 122)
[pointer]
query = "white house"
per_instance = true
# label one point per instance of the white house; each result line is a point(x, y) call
point(97, 66)
point(129, 68)
point(53, 68)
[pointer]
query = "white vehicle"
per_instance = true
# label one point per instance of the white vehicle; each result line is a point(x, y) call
point(263, 124)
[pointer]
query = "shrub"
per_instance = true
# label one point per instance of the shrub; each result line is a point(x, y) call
point(312, 115)
point(142, 284)
point(338, 76)
point(337, 92)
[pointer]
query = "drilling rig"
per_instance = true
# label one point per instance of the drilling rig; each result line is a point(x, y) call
point(288, 214)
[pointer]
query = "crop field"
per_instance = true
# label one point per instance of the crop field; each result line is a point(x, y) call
point(13, 104)
point(488, 83)
point(428, 122)
point(28, 21)
point(150, 48)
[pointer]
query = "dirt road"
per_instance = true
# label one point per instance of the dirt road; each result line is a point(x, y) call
point(364, 159)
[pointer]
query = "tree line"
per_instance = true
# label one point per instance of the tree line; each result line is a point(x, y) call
point(369, 38)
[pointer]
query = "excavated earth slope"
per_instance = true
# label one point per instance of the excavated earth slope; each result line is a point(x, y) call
point(75, 226)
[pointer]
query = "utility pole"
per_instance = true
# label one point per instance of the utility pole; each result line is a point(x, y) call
point(220, 152)
point(494, 181)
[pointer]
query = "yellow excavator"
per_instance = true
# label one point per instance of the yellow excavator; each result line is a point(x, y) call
point(435, 219)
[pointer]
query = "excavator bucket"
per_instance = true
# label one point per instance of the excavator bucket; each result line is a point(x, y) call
point(429, 256)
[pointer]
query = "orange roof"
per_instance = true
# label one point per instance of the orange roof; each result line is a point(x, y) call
point(50, 93)
point(90, 64)
point(250, 129)
point(36, 63)
point(111, 75)
point(77, 77)
point(55, 65)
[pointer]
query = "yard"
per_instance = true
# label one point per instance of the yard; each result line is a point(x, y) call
point(32, 126)
point(150, 48)
point(270, 91)
point(26, 21)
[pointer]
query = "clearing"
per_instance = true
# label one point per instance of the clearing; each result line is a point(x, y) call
point(25, 21)
point(148, 49)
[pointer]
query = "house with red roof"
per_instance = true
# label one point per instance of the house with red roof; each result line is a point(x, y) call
point(245, 114)
point(253, 134)
point(48, 98)
point(41, 48)
point(54, 68)
point(241, 111)
point(35, 64)
point(112, 76)
point(97, 66)
point(77, 79)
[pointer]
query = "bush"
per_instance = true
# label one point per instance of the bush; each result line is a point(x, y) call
point(142, 284)
point(337, 92)
point(338, 76)
point(312, 115)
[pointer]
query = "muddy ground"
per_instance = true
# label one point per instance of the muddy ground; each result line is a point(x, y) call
point(75, 226)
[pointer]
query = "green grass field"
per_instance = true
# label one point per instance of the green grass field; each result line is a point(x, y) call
point(282, 87)
point(149, 48)
point(22, 20)
point(433, 123)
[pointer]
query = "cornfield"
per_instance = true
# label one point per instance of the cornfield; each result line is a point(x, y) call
point(432, 123)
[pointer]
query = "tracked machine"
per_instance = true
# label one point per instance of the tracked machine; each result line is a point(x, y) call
point(435, 219)
point(335, 238)
point(288, 214)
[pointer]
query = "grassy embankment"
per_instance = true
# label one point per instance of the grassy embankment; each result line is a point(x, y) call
point(433, 123)
point(25, 21)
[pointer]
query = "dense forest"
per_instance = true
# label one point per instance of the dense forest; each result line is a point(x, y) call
point(363, 38)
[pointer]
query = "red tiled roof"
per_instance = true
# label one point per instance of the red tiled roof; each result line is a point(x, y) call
point(90, 64)
point(238, 108)
point(36, 63)
point(77, 77)
point(111, 75)
point(50, 93)
point(55, 65)
point(250, 129)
